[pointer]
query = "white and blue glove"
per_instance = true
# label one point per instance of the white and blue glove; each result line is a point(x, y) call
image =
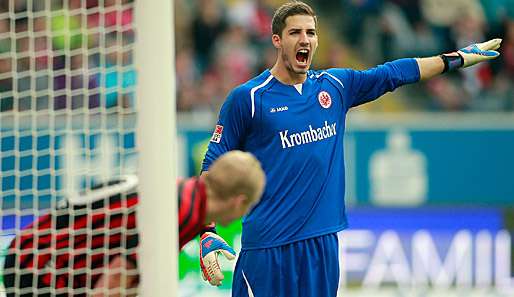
point(211, 245)
point(471, 55)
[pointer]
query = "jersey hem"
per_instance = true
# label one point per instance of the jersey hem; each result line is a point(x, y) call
point(317, 234)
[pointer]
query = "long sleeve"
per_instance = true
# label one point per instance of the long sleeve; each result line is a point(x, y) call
point(365, 86)
point(231, 128)
point(191, 209)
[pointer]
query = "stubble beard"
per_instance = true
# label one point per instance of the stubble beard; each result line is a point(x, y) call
point(290, 68)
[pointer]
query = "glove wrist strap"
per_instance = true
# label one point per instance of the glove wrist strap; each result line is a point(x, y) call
point(209, 228)
point(452, 61)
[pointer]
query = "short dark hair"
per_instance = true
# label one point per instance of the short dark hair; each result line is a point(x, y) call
point(290, 9)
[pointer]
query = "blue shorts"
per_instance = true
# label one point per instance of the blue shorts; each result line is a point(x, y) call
point(306, 268)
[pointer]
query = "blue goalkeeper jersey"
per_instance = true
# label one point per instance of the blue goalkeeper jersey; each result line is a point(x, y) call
point(296, 132)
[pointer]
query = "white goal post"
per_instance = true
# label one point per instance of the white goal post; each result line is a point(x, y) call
point(156, 139)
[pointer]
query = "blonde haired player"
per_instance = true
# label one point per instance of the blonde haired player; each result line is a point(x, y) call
point(97, 232)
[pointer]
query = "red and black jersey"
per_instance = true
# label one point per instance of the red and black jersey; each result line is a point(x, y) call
point(192, 209)
point(66, 250)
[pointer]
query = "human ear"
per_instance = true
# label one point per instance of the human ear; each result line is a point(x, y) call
point(275, 39)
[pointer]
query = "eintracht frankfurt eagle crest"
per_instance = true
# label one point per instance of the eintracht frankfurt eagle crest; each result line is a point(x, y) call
point(324, 99)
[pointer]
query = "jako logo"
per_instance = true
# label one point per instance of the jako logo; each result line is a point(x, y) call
point(278, 109)
point(308, 136)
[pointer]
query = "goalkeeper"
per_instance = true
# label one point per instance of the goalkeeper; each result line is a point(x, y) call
point(293, 119)
point(88, 245)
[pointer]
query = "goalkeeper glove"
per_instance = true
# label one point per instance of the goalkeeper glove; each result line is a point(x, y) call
point(471, 55)
point(211, 244)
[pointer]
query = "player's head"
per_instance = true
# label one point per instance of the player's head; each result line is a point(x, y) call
point(235, 182)
point(294, 35)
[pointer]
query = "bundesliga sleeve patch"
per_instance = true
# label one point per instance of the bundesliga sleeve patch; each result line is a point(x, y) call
point(216, 135)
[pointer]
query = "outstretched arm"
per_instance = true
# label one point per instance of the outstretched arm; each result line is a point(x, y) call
point(468, 56)
point(365, 86)
point(430, 67)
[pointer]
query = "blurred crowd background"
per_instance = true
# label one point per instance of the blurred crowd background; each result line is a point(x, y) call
point(223, 43)
point(72, 54)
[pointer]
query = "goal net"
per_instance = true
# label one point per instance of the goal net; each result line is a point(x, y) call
point(68, 157)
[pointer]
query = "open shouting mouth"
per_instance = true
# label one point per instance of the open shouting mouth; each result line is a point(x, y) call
point(302, 56)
